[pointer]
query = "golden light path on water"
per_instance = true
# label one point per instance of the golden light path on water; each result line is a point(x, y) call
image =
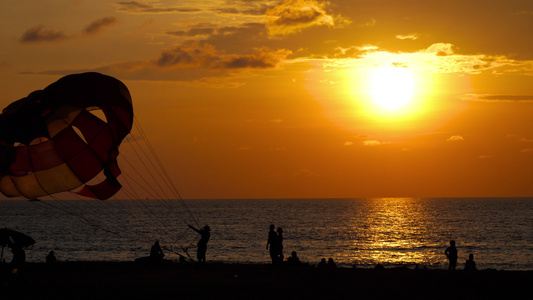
point(396, 231)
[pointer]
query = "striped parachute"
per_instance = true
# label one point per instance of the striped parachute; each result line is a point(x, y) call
point(60, 138)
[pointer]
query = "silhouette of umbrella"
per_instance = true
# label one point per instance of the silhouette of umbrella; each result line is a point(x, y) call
point(9, 237)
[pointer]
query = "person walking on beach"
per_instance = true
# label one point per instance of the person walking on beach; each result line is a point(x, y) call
point(205, 234)
point(156, 253)
point(273, 243)
point(451, 254)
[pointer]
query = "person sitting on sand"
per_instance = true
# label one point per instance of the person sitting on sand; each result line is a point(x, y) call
point(331, 264)
point(156, 253)
point(293, 260)
point(322, 263)
point(51, 258)
point(470, 264)
point(205, 234)
point(451, 254)
point(19, 255)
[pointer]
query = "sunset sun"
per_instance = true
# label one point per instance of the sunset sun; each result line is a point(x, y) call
point(391, 88)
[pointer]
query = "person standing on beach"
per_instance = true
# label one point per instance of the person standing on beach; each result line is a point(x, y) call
point(273, 242)
point(205, 234)
point(156, 253)
point(451, 254)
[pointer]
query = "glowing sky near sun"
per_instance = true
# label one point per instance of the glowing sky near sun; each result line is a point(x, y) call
point(303, 98)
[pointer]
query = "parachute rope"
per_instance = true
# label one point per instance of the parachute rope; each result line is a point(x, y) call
point(165, 174)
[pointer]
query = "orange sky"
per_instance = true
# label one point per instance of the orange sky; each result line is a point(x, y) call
point(272, 99)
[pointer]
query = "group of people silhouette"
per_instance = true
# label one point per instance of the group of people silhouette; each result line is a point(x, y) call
point(275, 247)
point(275, 242)
point(156, 252)
point(451, 254)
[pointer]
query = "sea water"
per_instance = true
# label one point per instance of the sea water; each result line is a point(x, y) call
point(354, 232)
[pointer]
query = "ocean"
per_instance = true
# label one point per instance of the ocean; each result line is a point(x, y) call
point(354, 232)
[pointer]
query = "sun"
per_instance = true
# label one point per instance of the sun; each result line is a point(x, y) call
point(391, 88)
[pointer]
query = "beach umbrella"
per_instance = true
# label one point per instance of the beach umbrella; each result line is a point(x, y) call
point(9, 237)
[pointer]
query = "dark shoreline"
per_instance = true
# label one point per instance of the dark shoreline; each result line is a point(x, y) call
point(130, 280)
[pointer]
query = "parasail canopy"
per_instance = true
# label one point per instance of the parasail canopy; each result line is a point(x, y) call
point(59, 138)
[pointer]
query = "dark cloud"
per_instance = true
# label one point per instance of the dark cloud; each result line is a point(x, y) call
point(206, 56)
point(297, 17)
point(262, 60)
point(97, 25)
point(292, 16)
point(256, 8)
point(498, 98)
point(39, 34)
point(138, 7)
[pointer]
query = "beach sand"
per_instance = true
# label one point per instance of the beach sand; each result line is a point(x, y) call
point(125, 280)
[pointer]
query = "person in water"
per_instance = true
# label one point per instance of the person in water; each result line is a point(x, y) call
point(156, 253)
point(273, 242)
point(451, 254)
point(205, 234)
point(470, 264)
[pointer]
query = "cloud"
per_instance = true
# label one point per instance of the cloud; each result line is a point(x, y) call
point(407, 37)
point(193, 32)
point(247, 7)
point(39, 34)
point(440, 49)
point(195, 63)
point(293, 16)
point(437, 58)
point(97, 25)
point(455, 138)
point(206, 56)
point(143, 8)
point(374, 143)
point(497, 98)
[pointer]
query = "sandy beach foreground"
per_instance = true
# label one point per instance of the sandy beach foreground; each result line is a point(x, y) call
point(125, 280)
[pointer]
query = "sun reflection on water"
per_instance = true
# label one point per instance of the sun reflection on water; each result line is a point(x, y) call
point(396, 231)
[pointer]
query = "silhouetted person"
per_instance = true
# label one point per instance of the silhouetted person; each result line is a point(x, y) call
point(156, 253)
point(205, 234)
point(470, 264)
point(273, 242)
point(293, 260)
point(280, 245)
point(331, 264)
point(19, 256)
point(51, 258)
point(451, 254)
point(322, 263)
